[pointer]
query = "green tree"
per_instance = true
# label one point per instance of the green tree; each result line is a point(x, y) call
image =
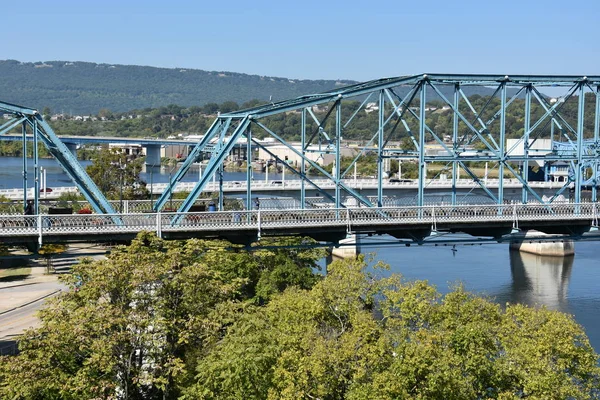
point(133, 326)
point(115, 174)
point(356, 337)
point(228, 106)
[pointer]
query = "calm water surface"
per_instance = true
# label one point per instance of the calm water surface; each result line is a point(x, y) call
point(11, 173)
point(568, 284)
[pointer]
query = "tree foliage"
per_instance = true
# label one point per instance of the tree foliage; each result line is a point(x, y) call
point(133, 325)
point(117, 175)
point(356, 337)
point(210, 320)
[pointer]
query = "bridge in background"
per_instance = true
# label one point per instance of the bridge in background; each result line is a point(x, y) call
point(403, 104)
point(152, 145)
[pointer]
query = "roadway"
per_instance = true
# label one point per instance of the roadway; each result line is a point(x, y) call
point(19, 305)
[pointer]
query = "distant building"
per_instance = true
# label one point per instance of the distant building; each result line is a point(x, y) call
point(134, 150)
point(370, 107)
point(321, 156)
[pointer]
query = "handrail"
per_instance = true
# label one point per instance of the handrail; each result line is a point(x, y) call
point(281, 220)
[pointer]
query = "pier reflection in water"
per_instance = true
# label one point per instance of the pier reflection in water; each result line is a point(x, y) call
point(540, 280)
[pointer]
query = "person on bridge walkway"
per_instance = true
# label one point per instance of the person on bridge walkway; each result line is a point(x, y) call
point(256, 204)
point(29, 208)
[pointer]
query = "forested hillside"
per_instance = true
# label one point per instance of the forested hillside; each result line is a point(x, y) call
point(85, 88)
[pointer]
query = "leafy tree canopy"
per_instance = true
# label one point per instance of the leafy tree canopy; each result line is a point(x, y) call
point(132, 326)
point(353, 336)
point(209, 320)
point(117, 175)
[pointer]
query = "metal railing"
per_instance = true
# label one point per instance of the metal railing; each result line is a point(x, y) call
point(280, 220)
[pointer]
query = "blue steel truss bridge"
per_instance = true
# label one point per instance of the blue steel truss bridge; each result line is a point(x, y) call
point(515, 130)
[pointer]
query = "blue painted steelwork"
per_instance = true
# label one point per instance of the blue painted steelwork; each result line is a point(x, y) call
point(41, 131)
point(380, 128)
point(486, 142)
point(596, 141)
point(502, 152)
point(579, 167)
point(526, 144)
point(403, 112)
point(455, 164)
point(421, 149)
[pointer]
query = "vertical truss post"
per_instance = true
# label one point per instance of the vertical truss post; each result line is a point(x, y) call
point(579, 169)
point(302, 163)
point(338, 159)
point(502, 143)
point(249, 169)
point(525, 164)
point(422, 171)
point(36, 169)
point(596, 144)
point(221, 187)
point(24, 132)
point(380, 149)
point(455, 142)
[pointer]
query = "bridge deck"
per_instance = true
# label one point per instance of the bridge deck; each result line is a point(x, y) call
point(330, 225)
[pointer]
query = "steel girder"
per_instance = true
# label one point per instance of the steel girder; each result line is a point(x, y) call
point(41, 131)
point(477, 135)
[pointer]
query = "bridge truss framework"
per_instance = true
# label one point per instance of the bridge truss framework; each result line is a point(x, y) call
point(478, 135)
point(31, 121)
point(398, 103)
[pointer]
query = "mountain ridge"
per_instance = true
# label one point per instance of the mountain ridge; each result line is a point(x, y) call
point(80, 87)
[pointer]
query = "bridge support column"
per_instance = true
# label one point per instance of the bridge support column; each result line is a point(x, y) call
point(558, 248)
point(350, 248)
point(72, 148)
point(153, 155)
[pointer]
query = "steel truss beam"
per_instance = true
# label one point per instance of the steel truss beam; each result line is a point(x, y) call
point(42, 132)
point(395, 111)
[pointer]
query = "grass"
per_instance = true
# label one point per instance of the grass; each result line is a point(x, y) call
point(14, 274)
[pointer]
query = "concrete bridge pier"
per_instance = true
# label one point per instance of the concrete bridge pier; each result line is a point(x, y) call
point(558, 248)
point(350, 248)
point(153, 155)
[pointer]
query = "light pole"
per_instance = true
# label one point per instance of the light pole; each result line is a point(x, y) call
point(121, 191)
point(151, 191)
point(170, 191)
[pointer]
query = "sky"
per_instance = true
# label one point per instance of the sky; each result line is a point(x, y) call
point(327, 39)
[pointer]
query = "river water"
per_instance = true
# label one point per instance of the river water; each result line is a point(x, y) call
point(11, 173)
point(568, 284)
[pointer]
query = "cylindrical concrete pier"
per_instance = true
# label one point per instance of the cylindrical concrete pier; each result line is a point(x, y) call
point(542, 246)
point(350, 248)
